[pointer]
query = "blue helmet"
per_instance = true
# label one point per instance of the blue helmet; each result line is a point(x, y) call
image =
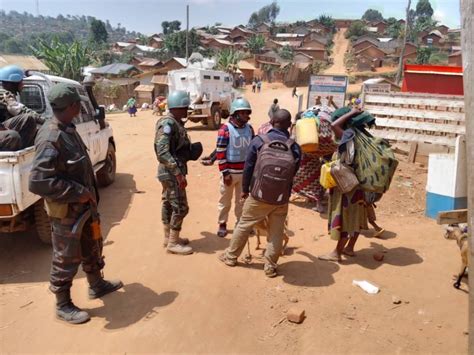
point(240, 104)
point(178, 99)
point(12, 73)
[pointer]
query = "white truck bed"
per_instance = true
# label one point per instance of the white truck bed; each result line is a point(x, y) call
point(15, 169)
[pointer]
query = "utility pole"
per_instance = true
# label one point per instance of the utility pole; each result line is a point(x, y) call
point(402, 53)
point(467, 38)
point(37, 8)
point(187, 34)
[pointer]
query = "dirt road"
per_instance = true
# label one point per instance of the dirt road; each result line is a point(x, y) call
point(195, 304)
point(341, 44)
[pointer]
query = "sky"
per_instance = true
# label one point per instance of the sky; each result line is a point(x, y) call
point(146, 15)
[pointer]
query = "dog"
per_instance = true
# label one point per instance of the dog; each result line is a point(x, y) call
point(459, 233)
point(261, 229)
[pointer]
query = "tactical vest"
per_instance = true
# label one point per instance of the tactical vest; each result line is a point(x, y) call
point(239, 141)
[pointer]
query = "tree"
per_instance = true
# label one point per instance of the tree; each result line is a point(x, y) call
point(63, 59)
point(372, 15)
point(356, 29)
point(423, 55)
point(98, 32)
point(175, 43)
point(328, 22)
point(227, 60)
point(286, 52)
point(170, 27)
point(256, 43)
point(424, 9)
point(267, 13)
point(395, 30)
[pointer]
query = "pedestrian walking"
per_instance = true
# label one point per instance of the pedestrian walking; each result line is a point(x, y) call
point(132, 106)
point(173, 149)
point(259, 85)
point(271, 157)
point(62, 174)
point(233, 140)
point(254, 85)
point(274, 107)
point(293, 93)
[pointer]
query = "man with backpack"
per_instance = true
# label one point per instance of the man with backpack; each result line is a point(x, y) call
point(270, 166)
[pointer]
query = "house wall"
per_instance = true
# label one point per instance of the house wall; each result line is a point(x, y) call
point(362, 45)
point(316, 54)
point(372, 52)
point(455, 60)
point(436, 40)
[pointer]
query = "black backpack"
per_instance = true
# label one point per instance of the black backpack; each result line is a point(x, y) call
point(274, 172)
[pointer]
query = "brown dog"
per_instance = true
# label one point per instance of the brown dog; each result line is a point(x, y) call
point(459, 233)
point(261, 229)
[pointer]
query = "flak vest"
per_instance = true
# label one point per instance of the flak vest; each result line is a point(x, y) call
point(239, 141)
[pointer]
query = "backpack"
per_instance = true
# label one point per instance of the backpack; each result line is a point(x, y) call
point(274, 172)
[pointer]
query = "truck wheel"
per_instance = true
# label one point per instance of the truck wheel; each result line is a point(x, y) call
point(106, 175)
point(214, 122)
point(42, 224)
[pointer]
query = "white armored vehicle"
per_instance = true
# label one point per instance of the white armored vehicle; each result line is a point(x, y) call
point(210, 91)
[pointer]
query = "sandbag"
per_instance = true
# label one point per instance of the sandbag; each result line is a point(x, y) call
point(374, 162)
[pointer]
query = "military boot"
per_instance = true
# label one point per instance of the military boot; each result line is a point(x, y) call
point(67, 311)
point(166, 230)
point(99, 287)
point(175, 247)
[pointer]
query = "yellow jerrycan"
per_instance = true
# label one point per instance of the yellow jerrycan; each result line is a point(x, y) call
point(307, 135)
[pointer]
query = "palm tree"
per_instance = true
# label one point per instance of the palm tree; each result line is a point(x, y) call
point(62, 59)
point(227, 60)
point(255, 44)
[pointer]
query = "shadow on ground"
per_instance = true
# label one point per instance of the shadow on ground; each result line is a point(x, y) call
point(24, 258)
point(311, 273)
point(131, 304)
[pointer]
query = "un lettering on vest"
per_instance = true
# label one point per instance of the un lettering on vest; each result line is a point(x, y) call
point(239, 141)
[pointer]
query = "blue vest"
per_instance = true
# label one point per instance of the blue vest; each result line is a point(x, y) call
point(239, 141)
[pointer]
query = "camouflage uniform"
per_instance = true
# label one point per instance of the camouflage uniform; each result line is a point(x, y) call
point(18, 123)
point(62, 173)
point(170, 139)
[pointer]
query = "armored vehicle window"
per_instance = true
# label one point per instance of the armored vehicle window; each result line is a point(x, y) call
point(32, 97)
point(217, 78)
point(208, 77)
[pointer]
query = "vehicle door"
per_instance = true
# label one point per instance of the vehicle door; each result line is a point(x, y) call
point(89, 130)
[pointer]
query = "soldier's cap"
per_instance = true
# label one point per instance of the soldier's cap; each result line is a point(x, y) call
point(63, 95)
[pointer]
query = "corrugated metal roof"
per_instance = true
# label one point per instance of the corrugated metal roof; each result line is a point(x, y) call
point(27, 62)
point(149, 62)
point(147, 88)
point(114, 69)
point(245, 65)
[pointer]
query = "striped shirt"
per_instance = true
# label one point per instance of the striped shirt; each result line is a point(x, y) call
point(226, 167)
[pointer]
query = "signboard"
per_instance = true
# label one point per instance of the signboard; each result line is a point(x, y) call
point(377, 88)
point(325, 87)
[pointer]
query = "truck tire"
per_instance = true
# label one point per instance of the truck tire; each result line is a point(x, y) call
point(214, 122)
point(106, 175)
point(42, 223)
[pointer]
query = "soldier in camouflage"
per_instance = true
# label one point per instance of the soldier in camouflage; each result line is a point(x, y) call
point(18, 123)
point(62, 174)
point(172, 148)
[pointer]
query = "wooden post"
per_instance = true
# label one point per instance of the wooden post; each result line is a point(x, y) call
point(402, 53)
point(467, 38)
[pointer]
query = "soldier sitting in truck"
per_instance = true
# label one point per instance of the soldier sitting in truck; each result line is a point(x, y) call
point(18, 124)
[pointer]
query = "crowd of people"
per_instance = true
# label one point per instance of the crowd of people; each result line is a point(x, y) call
point(259, 173)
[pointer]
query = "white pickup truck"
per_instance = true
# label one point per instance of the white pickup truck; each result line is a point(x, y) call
point(19, 208)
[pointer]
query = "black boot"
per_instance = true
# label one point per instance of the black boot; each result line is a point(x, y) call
point(67, 311)
point(99, 287)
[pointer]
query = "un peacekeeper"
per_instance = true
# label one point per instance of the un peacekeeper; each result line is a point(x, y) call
point(173, 149)
point(18, 123)
point(62, 174)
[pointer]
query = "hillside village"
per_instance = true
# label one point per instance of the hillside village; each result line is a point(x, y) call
point(271, 51)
